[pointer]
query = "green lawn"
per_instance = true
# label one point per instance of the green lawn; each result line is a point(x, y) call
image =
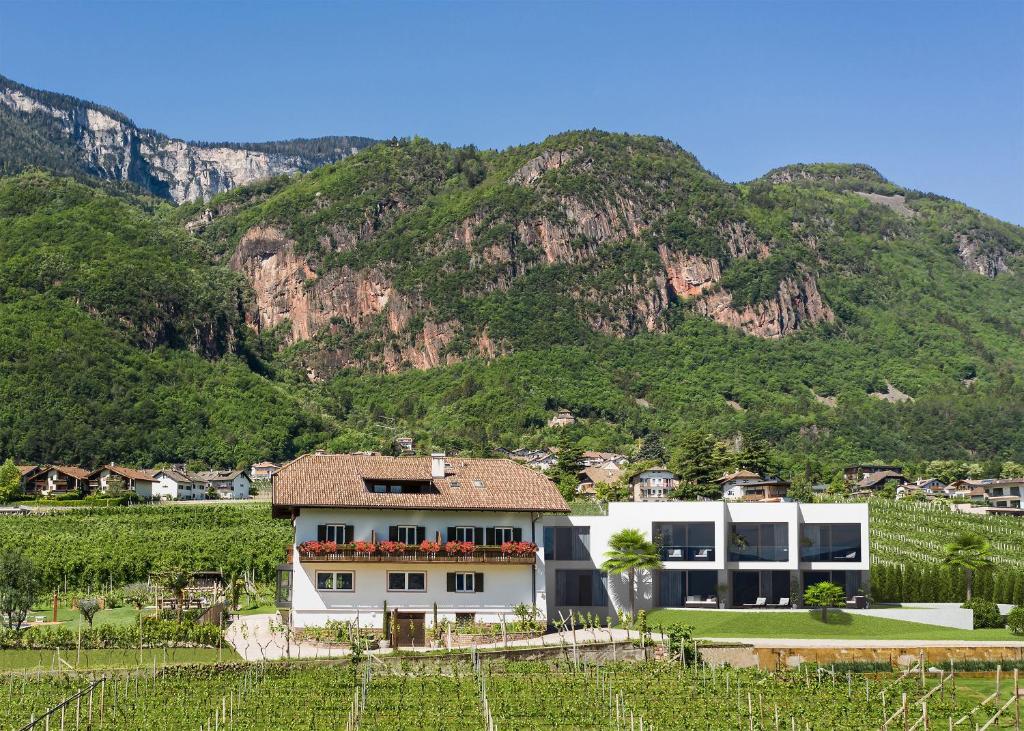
point(93, 659)
point(803, 624)
point(72, 617)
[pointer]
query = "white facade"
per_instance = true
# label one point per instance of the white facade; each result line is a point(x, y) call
point(141, 487)
point(715, 561)
point(653, 485)
point(504, 584)
point(167, 486)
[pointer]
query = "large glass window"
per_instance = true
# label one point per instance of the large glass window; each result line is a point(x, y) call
point(759, 588)
point(682, 588)
point(685, 541)
point(567, 543)
point(849, 580)
point(581, 588)
point(465, 533)
point(406, 534)
point(830, 542)
point(465, 582)
point(759, 542)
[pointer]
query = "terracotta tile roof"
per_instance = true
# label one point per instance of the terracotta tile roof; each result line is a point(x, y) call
point(340, 480)
point(738, 475)
point(877, 477)
point(71, 471)
point(173, 475)
point(126, 472)
point(599, 474)
point(24, 469)
point(211, 475)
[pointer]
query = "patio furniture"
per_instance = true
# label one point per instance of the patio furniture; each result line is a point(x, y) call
point(760, 602)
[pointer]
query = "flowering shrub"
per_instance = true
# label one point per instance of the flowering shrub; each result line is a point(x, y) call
point(518, 548)
point(430, 546)
point(318, 548)
point(365, 547)
point(392, 546)
point(455, 548)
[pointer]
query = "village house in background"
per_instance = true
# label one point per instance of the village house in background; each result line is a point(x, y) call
point(132, 480)
point(53, 480)
point(263, 470)
point(751, 487)
point(652, 485)
point(229, 484)
point(405, 445)
point(171, 484)
point(562, 418)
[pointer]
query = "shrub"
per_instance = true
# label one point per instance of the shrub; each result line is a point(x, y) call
point(986, 614)
point(1015, 620)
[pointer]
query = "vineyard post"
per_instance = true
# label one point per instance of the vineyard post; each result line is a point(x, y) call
point(903, 709)
point(1016, 700)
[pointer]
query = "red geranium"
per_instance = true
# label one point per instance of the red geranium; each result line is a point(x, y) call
point(430, 546)
point(453, 548)
point(318, 548)
point(518, 548)
point(392, 546)
point(365, 547)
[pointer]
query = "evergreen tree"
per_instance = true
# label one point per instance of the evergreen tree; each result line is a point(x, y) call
point(651, 449)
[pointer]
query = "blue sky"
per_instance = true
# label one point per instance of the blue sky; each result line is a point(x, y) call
point(932, 94)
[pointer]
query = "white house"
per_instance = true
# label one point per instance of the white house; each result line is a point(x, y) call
point(713, 553)
point(411, 534)
point(750, 486)
point(171, 484)
point(653, 485)
point(263, 470)
point(50, 480)
point(229, 484)
point(137, 481)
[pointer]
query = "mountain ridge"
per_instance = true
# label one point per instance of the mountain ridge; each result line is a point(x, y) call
point(76, 136)
point(461, 296)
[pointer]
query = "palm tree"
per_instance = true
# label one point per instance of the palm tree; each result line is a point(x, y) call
point(176, 579)
point(969, 552)
point(631, 552)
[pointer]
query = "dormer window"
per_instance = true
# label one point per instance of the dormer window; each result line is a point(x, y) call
point(400, 487)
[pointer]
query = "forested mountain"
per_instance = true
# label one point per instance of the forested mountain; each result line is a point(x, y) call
point(75, 137)
point(461, 296)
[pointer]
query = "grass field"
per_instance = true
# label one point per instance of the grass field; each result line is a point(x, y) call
point(72, 617)
point(803, 624)
point(95, 659)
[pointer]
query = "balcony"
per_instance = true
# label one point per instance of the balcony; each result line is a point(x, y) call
point(481, 554)
point(687, 553)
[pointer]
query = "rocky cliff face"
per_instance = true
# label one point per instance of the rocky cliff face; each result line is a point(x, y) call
point(108, 146)
point(399, 259)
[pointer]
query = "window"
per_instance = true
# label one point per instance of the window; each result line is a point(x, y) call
point(567, 543)
point(465, 583)
point(335, 581)
point(283, 595)
point(380, 488)
point(406, 534)
point(465, 533)
point(830, 542)
point(759, 542)
point(503, 534)
point(407, 581)
point(394, 488)
point(685, 541)
point(335, 532)
point(584, 588)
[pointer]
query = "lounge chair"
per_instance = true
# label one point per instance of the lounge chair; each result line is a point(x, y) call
point(761, 602)
point(783, 603)
point(702, 555)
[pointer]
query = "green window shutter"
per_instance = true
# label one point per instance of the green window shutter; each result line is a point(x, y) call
point(478, 583)
point(451, 533)
point(421, 534)
point(350, 534)
point(321, 532)
point(478, 534)
point(451, 581)
point(490, 536)
point(392, 532)
point(517, 534)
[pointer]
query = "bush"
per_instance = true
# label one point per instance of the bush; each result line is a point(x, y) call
point(155, 633)
point(1015, 620)
point(986, 614)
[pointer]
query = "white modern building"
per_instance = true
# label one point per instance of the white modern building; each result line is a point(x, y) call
point(713, 554)
point(370, 530)
point(229, 484)
point(411, 534)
